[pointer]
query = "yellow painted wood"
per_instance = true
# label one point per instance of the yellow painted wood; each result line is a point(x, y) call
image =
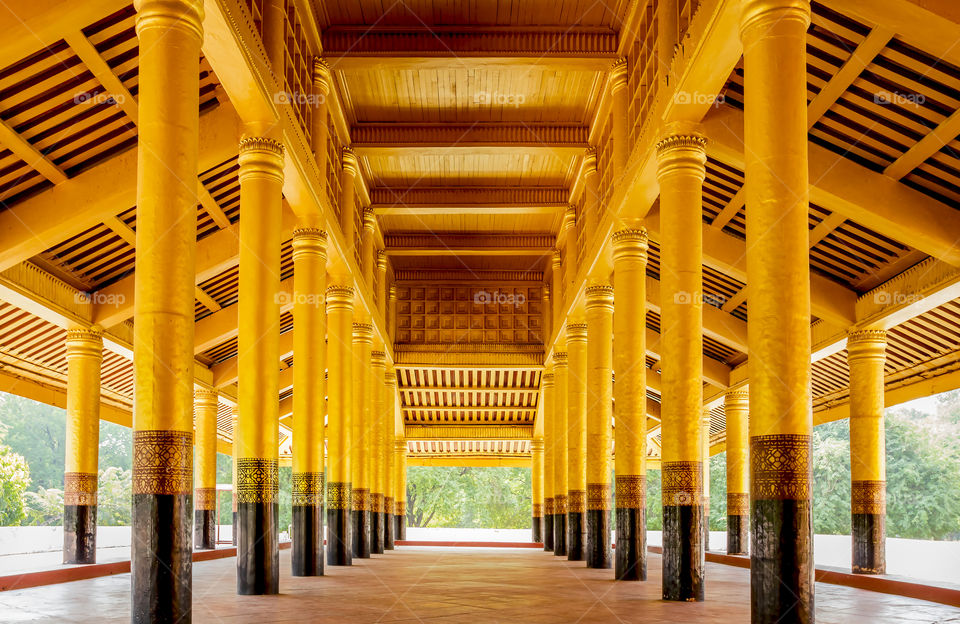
point(339, 381)
point(84, 358)
point(866, 351)
point(205, 405)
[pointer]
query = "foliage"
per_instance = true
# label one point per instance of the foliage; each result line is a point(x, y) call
point(114, 497)
point(44, 507)
point(654, 501)
point(38, 432)
point(14, 481)
point(489, 497)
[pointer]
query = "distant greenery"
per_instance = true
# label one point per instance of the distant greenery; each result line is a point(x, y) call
point(471, 497)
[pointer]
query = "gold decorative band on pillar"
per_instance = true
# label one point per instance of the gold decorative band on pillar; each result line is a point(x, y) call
point(631, 492)
point(307, 489)
point(866, 357)
point(82, 441)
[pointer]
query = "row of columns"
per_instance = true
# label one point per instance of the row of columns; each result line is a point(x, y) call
point(769, 427)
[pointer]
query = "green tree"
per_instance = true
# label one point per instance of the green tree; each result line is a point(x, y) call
point(44, 507)
point(114, 497)
point(654, 501)
point(718, 492)
point(481, 497)
point(14, 481)
point(38, 433)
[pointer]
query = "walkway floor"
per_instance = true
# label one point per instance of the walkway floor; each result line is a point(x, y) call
point(436, 585)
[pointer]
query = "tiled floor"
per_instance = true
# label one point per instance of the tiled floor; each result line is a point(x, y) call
point(474, 585)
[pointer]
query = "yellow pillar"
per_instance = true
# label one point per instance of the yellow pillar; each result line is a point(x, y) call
point(382, 281)
point(389, 454)
point(309, 407)
point(630, 392)
point(558, 290)
point(169, 35)
point(348, 198)
point(84, 356)
point(339, 408)
point(401, 529)
point(234, 447)
point(536, 449)
point(599, 421)
point(619, 100)
point(547, 314)
point(774, 34)
point(735, 408)
point(866, 355)
point(361, 438)
point(570, 255)
point(705, 454)
point(261, 183)
point(375, 451)
point(668, 36)
point(680, 171)
point(319, 130)
point(560, 455)
point(576, 430)
point(549, 458)
point(205, 497)
point(392, 313)
point(591, 199)
point(368, 256)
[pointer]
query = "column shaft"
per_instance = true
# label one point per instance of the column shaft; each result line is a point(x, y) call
point(537, 494)
point(390, 458)
point(361, 438)
point(261, 183)
point(84, 356)
point(169, 33)
point(558, 290)
point(368, 254)
point(401, 503)
point(599, 423)
point(205, 494)
point(630, 392)
point(774, 36)
point(561, 455)
point(705, 443)
point(680, 171)
point(570, 249)
point(576, 431)
point(618, 116)
point(591, 200)
point(319, 130)
point(309, 407)
point(549, 457)
point(378, 443)
point(866, 354)
point(348, 199)
point(736, 405)
point(339, 409)
point(234, 447)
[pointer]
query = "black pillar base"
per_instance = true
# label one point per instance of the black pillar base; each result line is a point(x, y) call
point(234, 531)
point(258, 553)
point(598, 553)
point(306, 556)
point(548, 524)
point(631, 550)
point(781, 562)
point(560, 534)
point(869, 544)
point(683, 553)
point(401, 533)
point(575, 535)
point(388, 524)
point(79, 533)
point(537, 529)
point(204, 529)
point(339, 542)
point(737, 535)
point(376, 532)
point(360, 532)
point(161, 580)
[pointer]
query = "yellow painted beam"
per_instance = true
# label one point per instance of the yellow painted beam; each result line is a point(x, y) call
point(469, 461)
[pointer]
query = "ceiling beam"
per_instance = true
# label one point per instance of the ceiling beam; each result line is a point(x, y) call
point(437, 201)
point(227, 371)
point(561, 141)
point(468, 431)
point(469, 244)
point(40, 222)
point(838, 184)
point(372, 49)
point(717, 324)
point(223, 325)
point(715, 373)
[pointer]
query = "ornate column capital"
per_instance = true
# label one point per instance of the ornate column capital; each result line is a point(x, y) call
point(349, 160)
point(309, 241)
point(681, 150)
point(763, 13)
point(630, 243)
point(85, 342)
point(382, 260)
point(569, 218)
point(363, 333)
point(576, 332)
point(205, 397)
point(598, 296)
point(590, 161)
point(321, 75)
point(618, 75)
point(547, 379)
point(378, 359)
point(866, 344)
point(556, 260)
point(736, 399)
point(261, 157)
point(369, 220)
point(339, 297)
point(536, 445)
point(393, 292)
point(183, 15)
point(559, 359)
